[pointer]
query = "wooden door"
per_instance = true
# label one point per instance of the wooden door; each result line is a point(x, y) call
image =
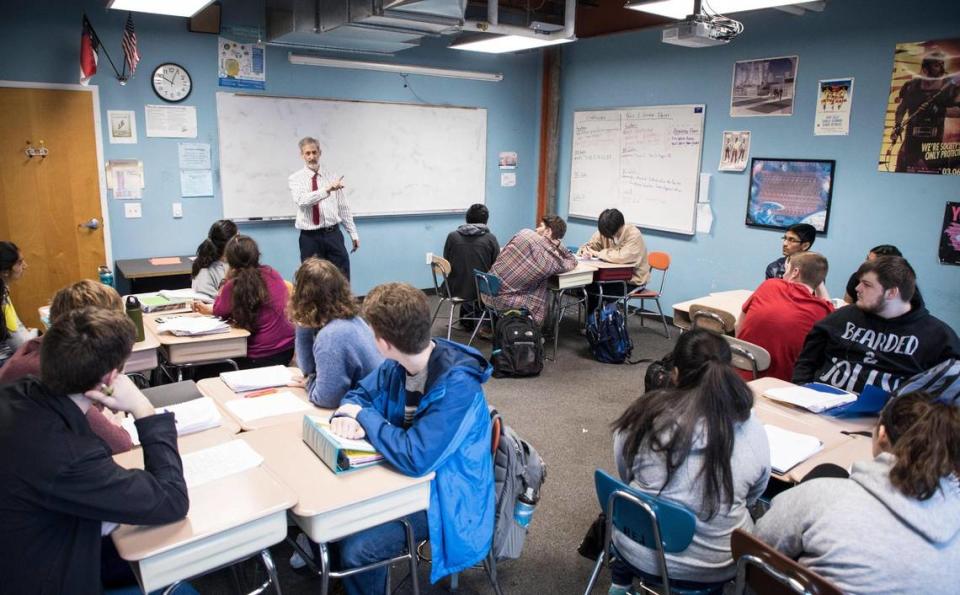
point(44, 201)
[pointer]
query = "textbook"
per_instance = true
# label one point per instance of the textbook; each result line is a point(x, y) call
point(151, 303)
point(814, 396)
point(338, 453)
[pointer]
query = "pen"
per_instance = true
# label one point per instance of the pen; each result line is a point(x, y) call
point(260, 393)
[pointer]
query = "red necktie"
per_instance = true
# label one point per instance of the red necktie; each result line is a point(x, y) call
point(316, 206)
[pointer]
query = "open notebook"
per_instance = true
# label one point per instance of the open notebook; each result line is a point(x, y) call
point(191, 416)
point(789, 449)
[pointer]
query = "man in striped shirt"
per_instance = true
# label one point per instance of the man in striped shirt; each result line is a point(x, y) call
point(321, 209)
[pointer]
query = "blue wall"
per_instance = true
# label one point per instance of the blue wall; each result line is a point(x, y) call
point(850, 38)
point(41, 43)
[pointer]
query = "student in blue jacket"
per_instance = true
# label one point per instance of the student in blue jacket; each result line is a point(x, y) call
point(424, 409)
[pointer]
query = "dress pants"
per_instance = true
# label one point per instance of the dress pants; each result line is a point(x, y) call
point(326, 242)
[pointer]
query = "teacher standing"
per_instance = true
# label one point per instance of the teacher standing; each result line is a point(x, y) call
point(321, 209)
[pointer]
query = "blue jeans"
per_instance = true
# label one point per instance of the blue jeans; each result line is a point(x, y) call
point(379, 543)
point(623, 573)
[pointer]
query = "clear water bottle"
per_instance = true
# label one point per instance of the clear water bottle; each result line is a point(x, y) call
point(135, 312)
point(106, 275)
point(526, 504)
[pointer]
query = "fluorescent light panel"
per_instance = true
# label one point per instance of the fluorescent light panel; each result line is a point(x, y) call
point(390, 67)
point(176, 8)
point(502, 44)
point(680, 9)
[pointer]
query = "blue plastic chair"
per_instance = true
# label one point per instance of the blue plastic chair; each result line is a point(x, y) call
point(650, 521)
point(488, 284)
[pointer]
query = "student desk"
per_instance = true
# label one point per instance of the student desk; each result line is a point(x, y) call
point(187, 351)
point(144, 356)
point(728, 301)
point(562, 284)
point(330, 506)
point(838, 448)
point(138, 275)
point(220, 529)
point(217, 390)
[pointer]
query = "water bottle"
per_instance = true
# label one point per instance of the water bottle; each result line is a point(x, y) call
point(526, 504)
point(135, 312)
point(106, 275)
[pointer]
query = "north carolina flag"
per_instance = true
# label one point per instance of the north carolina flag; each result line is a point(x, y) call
point(88, 52)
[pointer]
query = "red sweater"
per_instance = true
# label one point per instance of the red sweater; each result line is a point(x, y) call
point(26, 362)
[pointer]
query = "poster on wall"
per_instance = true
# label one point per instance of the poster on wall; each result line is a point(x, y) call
point(950, 236)
point(763, 87)
point(784, 192)
point(921, 133)
point(834, 98)
point(735, 150)
point(123, 127)
point(241, 65)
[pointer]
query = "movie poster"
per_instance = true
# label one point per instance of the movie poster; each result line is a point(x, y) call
point(922, 128)
point(833, 107)
point(950, 236)
point(734, 150)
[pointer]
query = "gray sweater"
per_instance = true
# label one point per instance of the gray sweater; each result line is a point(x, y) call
point(708, 558)
point(335, 358)
point(209, 279)
point(865, 536)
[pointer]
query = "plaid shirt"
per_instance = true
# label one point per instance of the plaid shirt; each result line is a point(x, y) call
point(333, 207)
point(524, 266)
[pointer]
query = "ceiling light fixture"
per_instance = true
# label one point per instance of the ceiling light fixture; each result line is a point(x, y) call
point(306, 60)
point(176, 8)
point(680, 9)
point(502, 44)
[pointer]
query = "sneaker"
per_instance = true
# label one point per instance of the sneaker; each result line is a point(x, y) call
point(621, 590)
point(296, 560)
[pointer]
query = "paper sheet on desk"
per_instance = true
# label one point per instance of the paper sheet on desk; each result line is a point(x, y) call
point(256, 378)
point(811, 399)
point(210, 464)
point(789, 449)
point(193, 326)
point(191, 416)
point(268, 406)
point(165, 260)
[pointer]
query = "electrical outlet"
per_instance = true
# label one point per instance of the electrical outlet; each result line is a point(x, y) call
point(132, 210)
point(429, 257)
point(177, 210)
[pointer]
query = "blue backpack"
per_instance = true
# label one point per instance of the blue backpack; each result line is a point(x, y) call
point(608, 337)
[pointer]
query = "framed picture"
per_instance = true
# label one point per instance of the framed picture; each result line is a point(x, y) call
point(784, 192)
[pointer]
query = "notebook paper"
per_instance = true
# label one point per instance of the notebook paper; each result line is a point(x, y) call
point(810, 399)
point(267, 406)
point(210, 464)
point(256, 378)
point(789, 449)
point(191, 417)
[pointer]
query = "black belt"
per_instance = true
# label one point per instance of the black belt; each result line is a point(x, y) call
point(330, 229)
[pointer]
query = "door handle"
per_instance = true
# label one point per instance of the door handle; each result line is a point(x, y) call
point(93, 223)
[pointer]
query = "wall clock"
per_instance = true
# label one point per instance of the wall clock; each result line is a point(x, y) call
point(172, 82)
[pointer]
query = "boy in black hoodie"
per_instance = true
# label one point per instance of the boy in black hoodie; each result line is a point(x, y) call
point(470, 246)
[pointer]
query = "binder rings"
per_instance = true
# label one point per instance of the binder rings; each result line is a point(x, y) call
point(337, 453)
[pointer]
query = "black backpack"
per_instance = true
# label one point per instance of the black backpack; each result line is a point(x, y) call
point(517, 346)
point(607, 334)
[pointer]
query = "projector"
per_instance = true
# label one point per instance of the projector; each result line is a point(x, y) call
point(696, 34)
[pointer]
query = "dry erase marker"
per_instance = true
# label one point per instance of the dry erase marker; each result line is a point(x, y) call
point(260, 393)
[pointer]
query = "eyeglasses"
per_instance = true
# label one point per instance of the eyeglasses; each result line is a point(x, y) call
point(791, 240)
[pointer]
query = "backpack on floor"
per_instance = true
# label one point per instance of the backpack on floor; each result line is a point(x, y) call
point(517, 345)
point(608, 337)
point(516, 467)
point(941, 381)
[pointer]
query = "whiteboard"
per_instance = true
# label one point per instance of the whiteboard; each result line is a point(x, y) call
point(395, 159)
point(644, 161)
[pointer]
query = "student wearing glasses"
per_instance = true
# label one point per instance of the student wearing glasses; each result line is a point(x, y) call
point(798, 238)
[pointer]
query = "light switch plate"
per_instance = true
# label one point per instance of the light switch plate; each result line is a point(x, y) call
point(132, 210)
point(177, 210)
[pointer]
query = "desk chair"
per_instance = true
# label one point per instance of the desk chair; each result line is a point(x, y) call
point(767, 571)
point(488, 284)
point(748, 356)
point(649, 521)
point(712, 319)
point(659, 261)
point(440, 269)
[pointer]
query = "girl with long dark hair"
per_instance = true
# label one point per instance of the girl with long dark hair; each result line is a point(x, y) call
point(696, 444)
point(210, 267)
point(894, 525)
point(13, 333)
point(255, 296)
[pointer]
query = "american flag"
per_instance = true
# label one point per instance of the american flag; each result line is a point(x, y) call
point(129, 43)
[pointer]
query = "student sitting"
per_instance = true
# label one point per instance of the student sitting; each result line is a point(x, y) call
point(698, 445)
point(255, 297)
point(58, 482)
point(780, 313)
point(12, 332)
point(470, 246)
point(210, 267)
point(26, 361)
point(850, 293)
point(894, 525)
point(797, 238)
point(525, 265)
point(423, 409)
point(335, 347)
point(618, 243)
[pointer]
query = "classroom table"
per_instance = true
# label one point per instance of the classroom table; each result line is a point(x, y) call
point(329, 506)
point(139, 275)
point(220, 528)
point(728, 301)
point(838, 448)
point(216, 389)
point(563, 284)
point(189, 351)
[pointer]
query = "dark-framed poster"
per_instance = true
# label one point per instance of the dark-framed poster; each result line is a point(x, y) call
point(950, 235)
point(784, 192)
